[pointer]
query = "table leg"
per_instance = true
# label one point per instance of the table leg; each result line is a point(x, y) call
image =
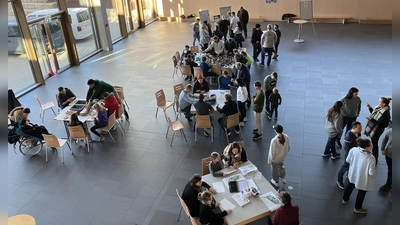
point(298, 40)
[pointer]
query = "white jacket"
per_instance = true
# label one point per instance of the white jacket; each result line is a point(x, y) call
point(362, 170)
point(278, 151)
point(218, 47)
point(242, 94)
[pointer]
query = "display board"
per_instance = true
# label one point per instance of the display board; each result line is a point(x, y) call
point(224, 10)
point(204, 15)
point(306, 9)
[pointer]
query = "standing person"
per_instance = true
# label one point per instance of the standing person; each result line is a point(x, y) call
point(256, 41)
point(217, 32)
point(224, 27)
point(242, 97)
point(100, 120)
point(278, 149)
point(96, 89)
point(244, 19)
point(190, 192)
point(203, 109)
point(386, 147)
point(350, 141)
point(241, 70)
point(278, 40)
point(334, 129)
point(204, 37)
point(270, 82)
point(275, 100)
point(234, 20)
point(237, 32)
point(288, 213)
point(230, 108)
point(186, 99)
point(249, 59)
point(268, 40)
point(362, 172)
point(196, 31)
point(229, 15)
point(207, 212)
point(377, 122)
point(65, 96)
point(258, 100)
point(351, 110)
point(208, 27)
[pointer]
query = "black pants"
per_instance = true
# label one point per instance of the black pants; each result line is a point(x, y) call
point(267, 103)
point(244, 25)
point(256, 50)
point(242, 110)
point(35, 130)
point(342, 171)
point(274, 109)
point(96, 126)
point(248, 94)
point(204, 46)
point(360, 195)
point(375, 142)
point(276, 47)
point(389, 164)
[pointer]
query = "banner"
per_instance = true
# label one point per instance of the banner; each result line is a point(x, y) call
point(270, 1)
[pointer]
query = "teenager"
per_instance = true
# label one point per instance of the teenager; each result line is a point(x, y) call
point(278, 149)
point(258, 101)
point(334, 129)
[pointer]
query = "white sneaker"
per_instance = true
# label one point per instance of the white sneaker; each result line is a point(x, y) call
point(274, 183)
point(245, 119)
point(283, 180)
point(101, 138)
point(241, 124)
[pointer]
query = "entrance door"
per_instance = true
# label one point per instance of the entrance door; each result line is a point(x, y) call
point(59, 52)
point(40, 48)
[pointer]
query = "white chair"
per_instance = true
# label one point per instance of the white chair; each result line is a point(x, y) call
point(44, 107)
point(53, 142)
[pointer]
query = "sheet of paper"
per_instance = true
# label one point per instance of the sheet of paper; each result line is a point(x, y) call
point(240, 199)
point(219, 186)
point(271, 201)
point(242, 184)
point(247, 169)
point(229, 170)
point(225, 204)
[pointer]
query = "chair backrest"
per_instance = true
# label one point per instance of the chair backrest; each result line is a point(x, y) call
point(178, 89)
point(120, 91)
point(194, 222)
point(38, 101)
point(186, 70)
point(58, 101)
point(120, 111)
point(111, 122)
point(169, 122)
point(177, 55)
point(76, 131)
point(183, 204)
point(51, 140)
point(204, 165)
point(197, 71)
point(233, 120)
point(194, 49)
point(175, 61)
point(203, 121)
point(227, 69)
point(216, 68)
point(160, 96)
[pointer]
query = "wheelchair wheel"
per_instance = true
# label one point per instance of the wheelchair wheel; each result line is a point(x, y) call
point(30, 146)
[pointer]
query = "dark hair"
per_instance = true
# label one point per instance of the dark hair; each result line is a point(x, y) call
point(226, 72)
point(285, 198)
point(91, 81)
point(214, 155)
point(363, 142)
point(334, 110)
point(275, 74)
point(195, 178)
point(205, 21)
point(74, 119)
point(240, 82)
point(352, 90)
point(201, 97)
point(228, 97)
point(60, 89)
point(279, 129)
point(386, 100)
point(105, 94)
point(26, 110)
point(233, 13)
point(189, 86)
point(235, 145)
point(244, 53)
point(258, 25)
point(239, 24)
point(203, 59)
point(257, 83)
point(355, 124)
point(276, 25)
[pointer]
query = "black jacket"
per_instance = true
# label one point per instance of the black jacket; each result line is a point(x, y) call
point(208, 216)
point(244, 17)
point(256, 36)
point(229, 108)
point(202, 87)
point(62, 98)
point(278, 35)
point(224, 25)
point(189, 196)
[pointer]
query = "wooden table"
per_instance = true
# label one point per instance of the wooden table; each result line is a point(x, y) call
point(300, 22)
point(21, 219)
point(252, 211)
point(220, 100)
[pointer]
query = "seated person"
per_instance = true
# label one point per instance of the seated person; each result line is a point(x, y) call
point(65, 96)
point(229, 46)
point(27, 127)
point(216, 47)
point(191, 191)
point(225, 81)
point(206, 68)
point(110, 103)
point(234, 155)
point(185, 53)
point(201, 85)
point(207, 213)
point(74, 121)
point(230, 107)
point(217, 32)
point(188, 60)
point(239, 57)
point(100, 120)
point(203, 108)
point(249, 59)
point(96, 89)
point(16, 114)
point(215, 166)
point(186, 99)
point(288, 213)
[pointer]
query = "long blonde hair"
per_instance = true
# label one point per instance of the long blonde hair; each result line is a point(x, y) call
point(98, 107)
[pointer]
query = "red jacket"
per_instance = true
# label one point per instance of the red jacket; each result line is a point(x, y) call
point(111, 103)
point(287, 215)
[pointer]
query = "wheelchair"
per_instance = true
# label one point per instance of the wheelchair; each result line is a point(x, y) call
point(28, 145)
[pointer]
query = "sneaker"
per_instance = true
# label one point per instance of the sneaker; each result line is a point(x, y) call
point(338, 144)
point(385, 188)
point(344, 202)
point(255, 131)
point(340, 185)
point(256, 60)
point(274, 183)
point(269, 117)
point(261, 64)
point(241, 124)
point(206, 133)
point(335, 156)
point(362, 210)
point(229, 132)
point(257, 136)
point(326, 155)
point(238, 131)
point(101, 138)
point(283, 181)
point(267, 112)
point(245, 119)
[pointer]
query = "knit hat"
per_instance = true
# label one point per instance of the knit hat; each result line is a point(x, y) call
point(258, 25)
point(199, 77)
point(278, 128)
point(90, 81)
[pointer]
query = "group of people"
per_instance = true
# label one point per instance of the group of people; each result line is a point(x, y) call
point(266, 42)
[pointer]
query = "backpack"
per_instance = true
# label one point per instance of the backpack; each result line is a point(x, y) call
point(13, 137)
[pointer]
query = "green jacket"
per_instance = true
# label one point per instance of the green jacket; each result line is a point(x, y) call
point(387, 143)
point(258, 100)
point(99, 88)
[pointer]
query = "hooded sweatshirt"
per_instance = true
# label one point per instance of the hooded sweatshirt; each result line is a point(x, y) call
point(362, 170)
point(335, 128)
point(278, 151)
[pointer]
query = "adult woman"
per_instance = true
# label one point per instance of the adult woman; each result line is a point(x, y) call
point(74, 121)
point(278, 149)
point(242, 97)
point(334, 129)
point(377, 122)
point(234, 155)
point(21, 116)
point(101, 120)
point(204, 37)
point(288, 213)
point(191, 191)
point(361, 173)
point(351, 110)
point(238, 37)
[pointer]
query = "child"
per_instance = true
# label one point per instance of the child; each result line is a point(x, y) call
point(101, 120)
point(275, 100)
point(258, 100)
point(242, 96)
point(224, 82)
point(207, 215)
point(215, 165)
point(76, 122)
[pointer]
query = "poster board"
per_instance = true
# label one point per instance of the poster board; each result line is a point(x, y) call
point(306, 9)
point(224, 10)
point(204, 15)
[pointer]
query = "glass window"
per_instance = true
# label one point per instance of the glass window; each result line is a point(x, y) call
point(113, 20)
point(148, 10)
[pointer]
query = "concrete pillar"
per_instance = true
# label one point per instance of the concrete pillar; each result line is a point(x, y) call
point(103, 28)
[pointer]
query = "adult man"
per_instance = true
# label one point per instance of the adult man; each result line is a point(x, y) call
point(217, 46)
point(65, 96)
point(256, 41)
point(196, 31)
point(230, 45)
point(230, 108)
point(185, 53)
point(241, 70)
point(97, 88)
point(230, 30)
point(203, 108)
point(387, 152)
point(349, 143)
point(244, 19)
point(201, 85)
point(268, 40)
point(234, 21)
point(224, 27)
point(278, 39)
point(186, 99)
point(258, 100)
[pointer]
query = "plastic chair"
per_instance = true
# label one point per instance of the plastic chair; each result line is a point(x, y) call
point(204, 165)
point(177, 108)
point(185, 70)
point(231, 122)
point(121, 94)
point(53, 142)
point(178, 89)
point(110, 125)
point(175, 126)
point(44, 107)
point(58, 103)
point(119, 116)
point(77, 132)
point(187, 211)
point(162, 102)
point(197, 71)
point(203, 122)
point(176, 65)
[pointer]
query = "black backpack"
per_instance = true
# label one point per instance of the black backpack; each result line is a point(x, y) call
point(13, 137)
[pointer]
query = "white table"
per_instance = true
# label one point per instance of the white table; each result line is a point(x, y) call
point(252, 211)
point(300, 22)
point(220, 100)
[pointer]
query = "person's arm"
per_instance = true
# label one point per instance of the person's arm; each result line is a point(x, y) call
point(96, 91)
point(89, 95)
point(339, 124)
point(221, 110)
point(372, 168)
point(210, 107)
point(385, 141)
point(270, 152)
point(209, 47)
point(349, 158)
point(277, 215)
point(359, 107)
point(279, 99)
point(215, 173)
point(204, 184)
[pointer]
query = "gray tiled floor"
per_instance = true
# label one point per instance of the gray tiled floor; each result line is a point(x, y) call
point(134, 180)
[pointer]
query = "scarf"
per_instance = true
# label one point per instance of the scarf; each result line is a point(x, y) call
point(372, 124)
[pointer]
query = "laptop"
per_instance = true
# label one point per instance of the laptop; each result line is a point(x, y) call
point(79, 105)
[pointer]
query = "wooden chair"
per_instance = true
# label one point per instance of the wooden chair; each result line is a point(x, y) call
point(21, 219)
point(197, 71)
point(176, 66)
point(58, 103)
point(178, 89)
point(204, 165)
point(44, 107)
point(187, 211)
point(78, 132)
point(216, 68)
point(185, 69)
point(53, 142)
point(203, 122)
point(194, 49)
point(110, 125)
point(175, 126)
point(162, 102)
point(178, 56)
point(177, 108)
point(231, 122)
point(119, 116)
point(121, 95)
point(227, 69)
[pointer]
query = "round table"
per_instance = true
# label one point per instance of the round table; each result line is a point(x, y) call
point(21, 219)
point(300, 22)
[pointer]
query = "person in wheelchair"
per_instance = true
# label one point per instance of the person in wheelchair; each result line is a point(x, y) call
point(21, 118)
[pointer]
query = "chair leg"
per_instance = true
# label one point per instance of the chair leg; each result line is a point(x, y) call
point(126, 104)
point(62, 151)
point(111, 136)
point(173, 135)
point(46, 154)
point(226, 134)
point(87, 141)
point(165, 114)
point(183, 133)
point(53, 111)
point(212, 134)
point(43, 115)
point(166, 135)
point(195, 134)
point(157, 112)
point(179, 214)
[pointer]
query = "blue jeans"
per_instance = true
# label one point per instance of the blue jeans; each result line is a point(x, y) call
point(269, 51)
point(196, 36)
point(330, 146)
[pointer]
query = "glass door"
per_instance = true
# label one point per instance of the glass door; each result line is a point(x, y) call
point(134, 13)
point(127, 14)
point(60, 53)
point(40, 48)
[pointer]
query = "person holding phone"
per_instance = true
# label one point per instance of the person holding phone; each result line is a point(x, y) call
point(65, 96)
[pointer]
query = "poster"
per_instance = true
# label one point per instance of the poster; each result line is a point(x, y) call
point(270, 1)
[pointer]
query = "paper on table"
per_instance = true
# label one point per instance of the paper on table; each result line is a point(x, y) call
point(271, 201)
point(225, 204)
point(219, 186)
point(240, 199)
point(229, 170)
point(247, 169)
